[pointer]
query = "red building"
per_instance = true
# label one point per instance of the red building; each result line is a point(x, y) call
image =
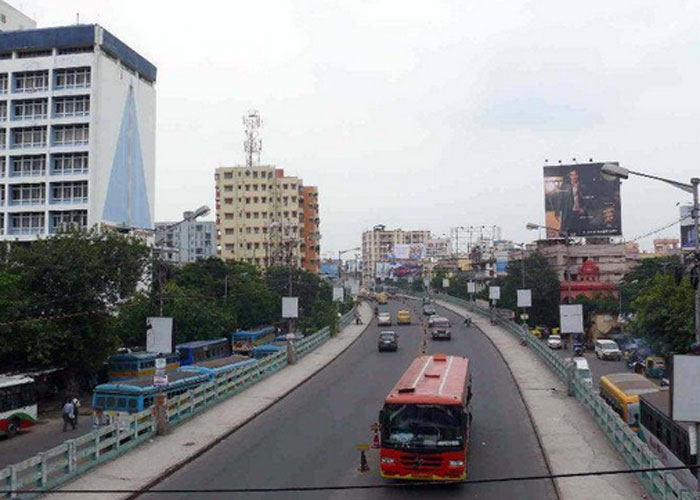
point(587, 283)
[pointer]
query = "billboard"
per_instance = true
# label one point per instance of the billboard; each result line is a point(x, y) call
point(329, 269)
point(687, 227)
point(159, 334)
point(414, 251)
point(397, 270)
point(580, 202)
point(571, 318)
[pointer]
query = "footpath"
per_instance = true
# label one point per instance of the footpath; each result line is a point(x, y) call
point(571, 440)
point(149, 462)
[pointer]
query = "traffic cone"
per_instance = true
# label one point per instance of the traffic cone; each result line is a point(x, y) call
point(375, 439)
point(364, 467)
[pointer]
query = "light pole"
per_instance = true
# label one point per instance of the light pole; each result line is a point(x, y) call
point(530, 226)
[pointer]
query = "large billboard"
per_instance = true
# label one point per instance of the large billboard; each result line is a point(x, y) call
point(398, 270)
point(580, 202)
point(414, 251)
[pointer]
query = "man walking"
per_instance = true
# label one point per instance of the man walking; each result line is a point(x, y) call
point(68, 413)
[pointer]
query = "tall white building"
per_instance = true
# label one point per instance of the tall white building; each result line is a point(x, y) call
point(77, 132)
point(12, 19)
point(378, 244)
point(186, 241)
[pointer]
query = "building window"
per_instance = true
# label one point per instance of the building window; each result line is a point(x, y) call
point(27, 194)
point(228, 230)
point(30, 109)
point(228, 216)
point(3, 83)
point(27, 223)
point(247, 230)
point(75, 50)
point(32, 81)
point(70, 219)
point(3, 110)
point(228, 188)
point(29, 137)
point(69, 163)
point(228, 175)
point(71, 106)
point(71, 78)
point(228, 201)
point(71, 135)
point(69, 192)
point(27, 166)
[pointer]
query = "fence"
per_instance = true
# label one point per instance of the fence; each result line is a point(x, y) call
point(58, 465)
point(660, 485)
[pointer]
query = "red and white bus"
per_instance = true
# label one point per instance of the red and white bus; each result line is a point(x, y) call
point(18, 409)
point(426, 421)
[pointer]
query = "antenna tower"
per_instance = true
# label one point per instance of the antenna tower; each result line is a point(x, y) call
point(253, 143)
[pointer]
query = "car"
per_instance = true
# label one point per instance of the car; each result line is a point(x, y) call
point(384, 319)
point(387, 341)
point(429, 310)
point(403, 317)
point(607, 349)
point(440, 328)
point(581, 367)
point(554, 342)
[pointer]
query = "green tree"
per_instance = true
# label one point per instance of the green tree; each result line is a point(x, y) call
point(637, 281)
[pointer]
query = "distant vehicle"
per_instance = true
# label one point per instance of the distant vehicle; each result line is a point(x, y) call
point(128, 365)
point(203, 350)
point(403, 317)
point(382, 298)
point(607, 349)
point(655, 367)
point(244, 340)
point(581, 367)
point(388, 341)
point(429, 310)
point(625, 343)
point(622, 390)
point(384, 319)
point(440, 328)
point(554, 342)
point(426, 301)
point(425, 423)
point(18, 410)
point(538, 331)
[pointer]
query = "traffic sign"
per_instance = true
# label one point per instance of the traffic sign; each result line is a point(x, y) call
point(160, 380)
point(160, 363)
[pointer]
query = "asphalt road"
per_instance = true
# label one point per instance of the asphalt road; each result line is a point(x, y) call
point(309, 437)
point(597, 366)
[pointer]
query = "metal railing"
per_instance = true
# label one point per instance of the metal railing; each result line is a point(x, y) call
point(58, 465)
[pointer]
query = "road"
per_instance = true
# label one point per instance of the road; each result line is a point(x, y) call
point(309, 438)
point(597, 366)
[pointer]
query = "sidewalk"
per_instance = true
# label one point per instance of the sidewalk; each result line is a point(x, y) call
point(141, 466)
point(571, 440)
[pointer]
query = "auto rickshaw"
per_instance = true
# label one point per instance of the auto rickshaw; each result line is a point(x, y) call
point(579, 348)
point(655, 367)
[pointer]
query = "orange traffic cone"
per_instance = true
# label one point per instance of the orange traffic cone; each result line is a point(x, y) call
point(364, 466)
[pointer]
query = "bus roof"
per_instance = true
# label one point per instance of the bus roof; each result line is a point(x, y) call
point(254, 334)
point(217, 363)
point(135, 385)
point(140, 356)
point(630, 384)
point(12, 380)
point(436, 379)
point(201, 343)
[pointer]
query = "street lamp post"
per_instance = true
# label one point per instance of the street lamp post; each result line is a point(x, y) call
point(566, 235)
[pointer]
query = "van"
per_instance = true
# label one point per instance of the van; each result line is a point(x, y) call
point(583, 371)
point(607, 349)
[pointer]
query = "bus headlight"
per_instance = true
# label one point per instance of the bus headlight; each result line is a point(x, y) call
point(388, 460)
point(456, 463)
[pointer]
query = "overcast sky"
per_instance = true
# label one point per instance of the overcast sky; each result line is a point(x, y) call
point(422, 115)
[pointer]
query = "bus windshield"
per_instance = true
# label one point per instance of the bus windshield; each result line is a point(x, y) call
point(423, 426)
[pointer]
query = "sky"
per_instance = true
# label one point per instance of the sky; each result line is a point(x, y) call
point(418, 115)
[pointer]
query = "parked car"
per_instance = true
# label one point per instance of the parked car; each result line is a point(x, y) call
point(429, 310)
point(403, 317)
point(384, 319)
point(607, 349)
point(554, 342)
point(388, 341)
point(581, 367)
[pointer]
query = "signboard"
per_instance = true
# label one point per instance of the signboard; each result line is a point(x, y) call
point(685, 397)
point(338, 294)
point(524, 298)
point(471, 287)
point(687, 227)
point(426, 283)
point(159, 334)
point(571, 318)
point(414, 251)
point(396, 270)
point(160, 363)
point(445, 283)
point(494, 293)
point(160, 380)
point(329, 269)
point(579, 201)
point(354, 287)
point(290, 307)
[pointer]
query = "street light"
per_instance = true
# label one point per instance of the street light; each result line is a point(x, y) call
point(613, 171)
point(531, 226)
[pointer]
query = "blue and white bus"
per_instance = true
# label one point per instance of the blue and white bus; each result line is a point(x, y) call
point(204, 350)
point(128, 365)
point(218, 368)
point(244, 340)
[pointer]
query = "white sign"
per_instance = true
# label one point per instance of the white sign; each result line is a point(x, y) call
point(354, 288)
point(524, 298)
point(290, 307)
point(160, 380)
point(471, 287)
point(160, 363)
point(338, 294)
point(445, 283)
point(494, 293)
point(571, 318)
point(685, 402)
point(159, 334)
point(426, 283)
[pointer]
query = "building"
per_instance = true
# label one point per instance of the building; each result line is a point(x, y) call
point(77, 132)
point(667, 246)
point(186, 241)
point(587, 283)
point(260, 217)
point(12, 19)
point(438, 248)
point(378, 243)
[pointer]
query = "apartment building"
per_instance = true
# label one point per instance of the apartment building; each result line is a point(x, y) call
point(77, 132)
point(311, 236)
point(186, 241)
point(260, 217)
point(12, 19)
point(378, 243)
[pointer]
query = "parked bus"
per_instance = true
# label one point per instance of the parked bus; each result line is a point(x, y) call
point(128, 365)
point(203, 350)
point(261, 351)
point(18, 409)
point(622, 390)
point(221, 366)
point(244, 340)
point(426, 421)
point(667, 438)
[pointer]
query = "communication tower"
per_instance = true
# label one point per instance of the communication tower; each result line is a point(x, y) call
point(253, 143)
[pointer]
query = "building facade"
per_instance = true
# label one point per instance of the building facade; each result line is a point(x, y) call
point(260, 217)
point(311, 236)
point(12, 19)
point(378, 243)
point(187, 241)
point(77, 132)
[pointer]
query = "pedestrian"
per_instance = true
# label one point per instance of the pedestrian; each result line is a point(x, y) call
point(76, 408)
point(68, 413)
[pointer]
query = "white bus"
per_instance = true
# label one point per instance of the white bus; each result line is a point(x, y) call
point(18, 409)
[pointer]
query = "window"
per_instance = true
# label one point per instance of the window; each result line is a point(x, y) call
point(21, 166)
point(70, 219)
point(75, 50)
point(228, 201)
point(69, 192)
point(228, 175)
point(27, 194)
point(32, 81)
point(71, 78)
point(3, 110)
point(71, 106)
point(228, 216)
point(228, 230)
point(33, 53)
point(29, 137)
point(228, 188)
point(30, 109)
point(69, 163)
point(71, 135)
point(3, 83)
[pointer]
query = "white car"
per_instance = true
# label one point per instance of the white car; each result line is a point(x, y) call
point(554, 342)
point(581, 367)
point(384, 319)
point(607, 349)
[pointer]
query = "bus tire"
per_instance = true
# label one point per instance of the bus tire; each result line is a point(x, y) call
point(12, 427)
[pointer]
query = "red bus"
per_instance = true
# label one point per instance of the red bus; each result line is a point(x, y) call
point(426, 421)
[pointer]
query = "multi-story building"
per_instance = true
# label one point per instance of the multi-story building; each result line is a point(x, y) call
point(437, 248)
point(12, 19)
point(260, 217)
point(186, 241)
point(311, 236)
point(77, 132)
point(378, 244)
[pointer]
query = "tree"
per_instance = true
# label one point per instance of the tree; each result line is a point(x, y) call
point(637, 281)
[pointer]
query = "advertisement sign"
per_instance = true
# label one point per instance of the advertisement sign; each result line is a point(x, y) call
point(338, 294)
point(494, 293)
point(159, 334)
point(580, 202)
point(160, 380)
point(571, 318)
point(396, 270)
point(290, 307)
point(471, 287)
point(524, 298)
point(329, 269)
point(687, 227)
point(445, 283)
point(685, 397)
point(414, 251)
